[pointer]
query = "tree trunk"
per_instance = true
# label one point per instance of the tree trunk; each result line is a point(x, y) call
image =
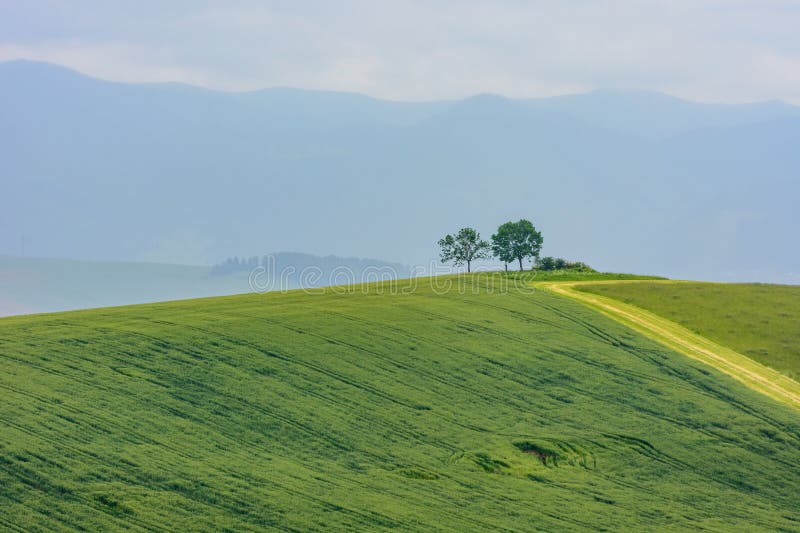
point(520, 264)
point(506, 267)
point(468, 267)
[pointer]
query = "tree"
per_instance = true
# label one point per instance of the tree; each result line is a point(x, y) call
point(501, 245)
point(464, 247)
point(515, 241)
point(547, 263)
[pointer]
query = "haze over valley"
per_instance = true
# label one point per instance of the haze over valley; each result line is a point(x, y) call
point(168, 173)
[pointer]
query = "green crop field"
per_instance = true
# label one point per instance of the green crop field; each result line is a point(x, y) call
point(534, 276)
point(474, 406)
point(757, 320)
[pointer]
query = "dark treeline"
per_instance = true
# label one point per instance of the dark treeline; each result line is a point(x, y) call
point(558, 263)
point(320, 270)
point(237, 264)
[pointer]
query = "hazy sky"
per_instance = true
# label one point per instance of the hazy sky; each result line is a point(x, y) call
point(709, 50)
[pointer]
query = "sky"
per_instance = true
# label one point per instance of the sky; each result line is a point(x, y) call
point(703, 50)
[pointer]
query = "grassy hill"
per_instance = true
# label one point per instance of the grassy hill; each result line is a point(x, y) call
point(757, 320)
point(469, 406)
point(535, 276)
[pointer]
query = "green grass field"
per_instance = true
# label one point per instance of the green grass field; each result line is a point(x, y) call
point(437, 408)
point(759, 321)
point(534, 276)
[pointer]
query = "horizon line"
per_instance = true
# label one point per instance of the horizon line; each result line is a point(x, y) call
point(197, 86)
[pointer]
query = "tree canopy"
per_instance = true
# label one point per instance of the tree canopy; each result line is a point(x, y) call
point(558, 263)
point(516, 241)
point(463, 248)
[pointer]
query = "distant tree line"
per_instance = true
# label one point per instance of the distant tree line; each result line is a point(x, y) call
point(236, 264)
point(514, 242)
point(557, 263)
point(299, 262)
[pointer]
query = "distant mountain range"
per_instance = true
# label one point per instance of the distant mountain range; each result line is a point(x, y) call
point(639, 182)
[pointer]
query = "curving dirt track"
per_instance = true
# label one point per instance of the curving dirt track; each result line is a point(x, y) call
point(751, 373)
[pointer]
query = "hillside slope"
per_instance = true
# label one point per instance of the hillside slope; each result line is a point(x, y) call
point(423, 409)
point(674, 336)
point(760, 321)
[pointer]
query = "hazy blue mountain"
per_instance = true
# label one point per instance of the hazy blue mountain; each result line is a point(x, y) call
point(36, 285)
point(170, 173)
point(655, 116)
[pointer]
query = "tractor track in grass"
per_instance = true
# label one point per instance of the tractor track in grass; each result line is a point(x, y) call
point(751, 373)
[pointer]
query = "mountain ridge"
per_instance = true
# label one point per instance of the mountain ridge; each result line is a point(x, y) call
point(217, 173)
point(44, 66)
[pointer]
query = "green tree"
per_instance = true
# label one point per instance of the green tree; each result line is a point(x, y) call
point(501, 245)
point(516, 241)
point(547, 263)
point(463, 248)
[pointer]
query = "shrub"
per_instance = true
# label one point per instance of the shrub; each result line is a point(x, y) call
point(558, 263)
point(547, 263)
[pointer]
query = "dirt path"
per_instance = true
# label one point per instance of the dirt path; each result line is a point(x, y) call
point(753, 374)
